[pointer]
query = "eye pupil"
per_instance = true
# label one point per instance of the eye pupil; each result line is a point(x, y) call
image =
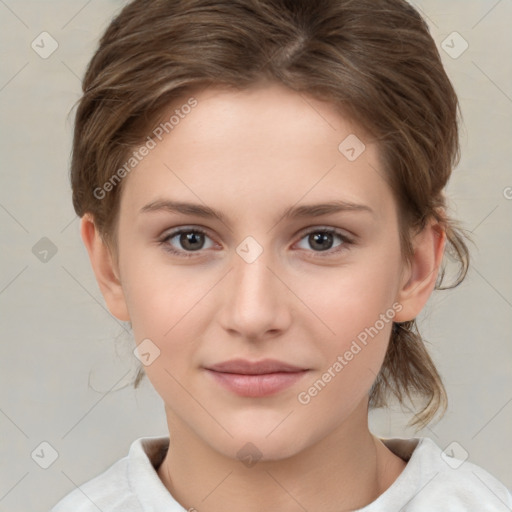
point(189, 239)
point(318, 238)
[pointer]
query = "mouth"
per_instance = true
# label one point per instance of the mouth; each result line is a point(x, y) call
point(255, 379)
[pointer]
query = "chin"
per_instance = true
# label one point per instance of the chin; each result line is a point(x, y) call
point(254, 444)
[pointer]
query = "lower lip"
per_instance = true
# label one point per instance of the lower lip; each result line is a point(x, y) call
point(257, 385)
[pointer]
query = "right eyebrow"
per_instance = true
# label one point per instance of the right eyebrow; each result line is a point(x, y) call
point(184, 208)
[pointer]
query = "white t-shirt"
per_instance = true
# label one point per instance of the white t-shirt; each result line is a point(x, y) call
point(431, 482)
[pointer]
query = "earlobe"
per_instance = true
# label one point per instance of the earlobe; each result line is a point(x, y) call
point(420, 280)
point(104, 268)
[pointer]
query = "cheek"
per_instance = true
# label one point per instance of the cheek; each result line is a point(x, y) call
point(170, 318)
point(159, 294)
point(358, 305)
point(165, 304)
point(353, 298)
point(352, 358)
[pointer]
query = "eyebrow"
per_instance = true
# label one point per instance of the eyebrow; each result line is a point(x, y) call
point(303, 211)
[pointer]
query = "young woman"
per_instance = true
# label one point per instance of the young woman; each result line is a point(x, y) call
point(260, 184)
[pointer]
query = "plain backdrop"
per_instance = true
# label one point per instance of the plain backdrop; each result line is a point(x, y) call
point(66, 363)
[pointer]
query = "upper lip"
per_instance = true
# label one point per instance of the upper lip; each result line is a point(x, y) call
point(245, 367)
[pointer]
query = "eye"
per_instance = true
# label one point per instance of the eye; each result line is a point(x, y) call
point(190, 240)
point(321, 240)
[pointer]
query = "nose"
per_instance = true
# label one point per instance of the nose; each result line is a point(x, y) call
point(257, 302)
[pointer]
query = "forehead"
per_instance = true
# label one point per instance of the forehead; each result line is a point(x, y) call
point(256, 148)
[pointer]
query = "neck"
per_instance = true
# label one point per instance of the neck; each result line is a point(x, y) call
point(345, 470)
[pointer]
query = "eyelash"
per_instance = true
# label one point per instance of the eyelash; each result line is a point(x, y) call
point(346, 241)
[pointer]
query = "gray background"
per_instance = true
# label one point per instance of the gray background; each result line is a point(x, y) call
point(66, 362)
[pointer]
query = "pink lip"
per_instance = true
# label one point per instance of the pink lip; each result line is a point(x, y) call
point(255, 379)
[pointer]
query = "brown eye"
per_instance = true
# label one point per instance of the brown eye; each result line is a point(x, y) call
point(192, 240)
point(323, 240)
point(183, 241)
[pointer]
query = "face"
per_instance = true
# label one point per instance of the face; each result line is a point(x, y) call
point(268, 278)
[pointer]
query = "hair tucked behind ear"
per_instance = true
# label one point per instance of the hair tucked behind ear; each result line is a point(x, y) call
point(408, 371)
point(373, 59)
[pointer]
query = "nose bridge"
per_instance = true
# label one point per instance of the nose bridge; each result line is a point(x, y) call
point(257, 300)
point(253, 278)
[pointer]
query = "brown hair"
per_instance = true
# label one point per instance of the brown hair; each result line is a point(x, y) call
point(375, 59)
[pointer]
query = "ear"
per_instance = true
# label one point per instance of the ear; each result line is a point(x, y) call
point(419, 279)
point(104, 268)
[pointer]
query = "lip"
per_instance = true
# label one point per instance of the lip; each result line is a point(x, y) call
point(256, 379)
point(245, 367)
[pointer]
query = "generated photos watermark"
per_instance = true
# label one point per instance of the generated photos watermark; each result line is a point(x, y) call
point(144, 150)
point(361, 341)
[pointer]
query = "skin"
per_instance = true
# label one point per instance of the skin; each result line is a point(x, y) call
point(250, 154)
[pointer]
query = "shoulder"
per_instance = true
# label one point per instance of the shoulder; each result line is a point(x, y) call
point(113, 490)
point(109, 492)
point(445, 480)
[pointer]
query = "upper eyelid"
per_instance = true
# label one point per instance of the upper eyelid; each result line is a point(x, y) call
point(303, 231)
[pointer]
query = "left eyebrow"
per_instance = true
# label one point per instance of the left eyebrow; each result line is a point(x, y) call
point(310, 210)
point(316, 210)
